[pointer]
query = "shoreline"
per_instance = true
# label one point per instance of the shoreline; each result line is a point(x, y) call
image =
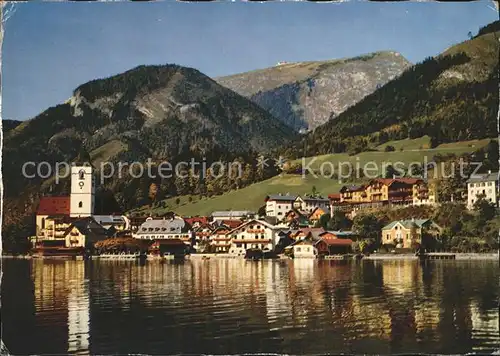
point(206, 256)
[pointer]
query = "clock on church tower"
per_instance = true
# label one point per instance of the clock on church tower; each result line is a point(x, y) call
point(82, 191)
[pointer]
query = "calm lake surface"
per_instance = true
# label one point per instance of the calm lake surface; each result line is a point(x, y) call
point(236, 306)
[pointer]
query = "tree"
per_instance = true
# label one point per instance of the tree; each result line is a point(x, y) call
point(153, 191)
point(389, 148)
point(323, 221)
point(367, 226)
point(391, 172)
point(486, 211)
point(177, 201)
point(262, 211)
point(314, 191)
point(339, 221)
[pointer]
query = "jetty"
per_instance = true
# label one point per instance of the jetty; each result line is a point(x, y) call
point(437, 256)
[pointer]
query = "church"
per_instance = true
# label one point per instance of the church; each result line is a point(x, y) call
point(69, 221)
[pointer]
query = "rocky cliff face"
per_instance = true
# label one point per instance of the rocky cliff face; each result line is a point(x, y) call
point(305, 95)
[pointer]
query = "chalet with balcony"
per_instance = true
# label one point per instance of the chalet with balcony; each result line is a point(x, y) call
point(254, 234)
point(220, 242)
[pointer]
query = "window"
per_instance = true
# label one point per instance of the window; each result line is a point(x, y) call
point(297, 249)
point(238, 245)
point(490, 184)
point(43, 223)
point(80, 204)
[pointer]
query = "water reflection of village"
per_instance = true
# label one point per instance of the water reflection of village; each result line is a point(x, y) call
point(236, 306)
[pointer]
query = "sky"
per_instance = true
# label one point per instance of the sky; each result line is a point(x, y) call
point(51, 48)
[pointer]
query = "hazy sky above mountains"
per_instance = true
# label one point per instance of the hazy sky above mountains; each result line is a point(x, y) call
point(51, 48)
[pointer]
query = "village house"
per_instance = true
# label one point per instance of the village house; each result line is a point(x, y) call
point(424, 194)
point(160, 229)
point(278, 205)
point(482, 185)
point(317, 243)
point(52, 215)
point(116, 222)
point(220, 242)
point(308, 204)
point(304, 249)
point(202, 236)
point(316, 214)
point(231, 215)
point(409, 234)
point(254, 234)
point(84, 233)
point(295, 219)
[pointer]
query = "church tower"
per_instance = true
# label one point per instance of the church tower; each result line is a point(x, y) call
point(82, 191)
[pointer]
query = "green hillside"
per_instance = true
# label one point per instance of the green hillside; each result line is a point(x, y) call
point(252, 197)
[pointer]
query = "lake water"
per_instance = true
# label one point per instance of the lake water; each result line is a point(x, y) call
point(236, 306)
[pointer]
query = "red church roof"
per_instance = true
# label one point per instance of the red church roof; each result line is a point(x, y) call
point(54, 206)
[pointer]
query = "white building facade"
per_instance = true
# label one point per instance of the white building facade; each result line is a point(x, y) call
point(278, 205)
point(482, 185)
point(82, 197)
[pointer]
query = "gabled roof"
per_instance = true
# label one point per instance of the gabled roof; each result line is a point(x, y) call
point(407, 224)
point(88, 227)
point(196, 219)
point(253, 221)
point(54, 206)
point(390, 181)
point(352, 188)
point(321, 199)
point(488, 177)
point(339, 233)
point(230, 224)
point(235, 213)
point(337, 242)
point(164, 225)
point(316, 209)
point(281, 197)
point(205, 226)
point(334, 196)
